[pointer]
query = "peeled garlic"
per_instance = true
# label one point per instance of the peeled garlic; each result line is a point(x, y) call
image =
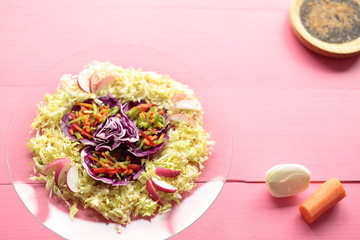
point(286, 180)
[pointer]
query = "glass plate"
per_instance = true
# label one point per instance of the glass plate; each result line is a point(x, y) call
point(88, 224)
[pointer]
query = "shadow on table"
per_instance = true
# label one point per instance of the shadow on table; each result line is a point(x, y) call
point(335, 64)
point(286, 201)
point(314, 60)
point(324, 221)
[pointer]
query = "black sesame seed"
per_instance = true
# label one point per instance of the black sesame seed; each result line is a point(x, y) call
point(332, 21)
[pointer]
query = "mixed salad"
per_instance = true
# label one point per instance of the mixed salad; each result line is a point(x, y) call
point(124, 142)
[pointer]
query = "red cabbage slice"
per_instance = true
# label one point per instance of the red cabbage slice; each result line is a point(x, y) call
point(133, 148)
point(114, 181)
point(66, 118)
point(111, 133)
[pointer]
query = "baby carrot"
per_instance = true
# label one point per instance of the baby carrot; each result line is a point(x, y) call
point(325, 197)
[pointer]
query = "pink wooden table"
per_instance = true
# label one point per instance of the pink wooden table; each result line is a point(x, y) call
point(285, 103)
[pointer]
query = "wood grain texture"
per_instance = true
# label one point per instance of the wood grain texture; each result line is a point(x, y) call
point(234, 216)
point(242, 211)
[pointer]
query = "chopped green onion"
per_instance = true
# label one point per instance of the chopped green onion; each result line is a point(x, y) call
point(78, 135)
point(78, 119)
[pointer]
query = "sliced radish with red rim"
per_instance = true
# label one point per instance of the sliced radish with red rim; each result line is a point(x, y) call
point(152, 192)
point(54, 164)
point(103, 83)
point(72, 179)
point(163, 186)
point(165, 172)
point(61, 172)
point(83, 81)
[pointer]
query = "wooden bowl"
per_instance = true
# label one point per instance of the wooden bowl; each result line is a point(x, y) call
point(325, 48)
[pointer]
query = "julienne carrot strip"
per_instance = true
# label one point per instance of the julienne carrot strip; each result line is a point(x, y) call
point(145, 106)
point(151, 142)
point(325, 197)
point(98, 117)
point(146, 141)
point(162, 136)
point(97, 160)
point(80, 130)
point(104, 111)
point(107, 170)
point(154, 137)
point(135, 167)
point(88, 105)
point(128, 171)
point(108, 158)
point(83, 110)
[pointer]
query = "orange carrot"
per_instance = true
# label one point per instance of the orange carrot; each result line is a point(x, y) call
point(80, 130)
point(104, 111)
point(325, 197)
point(97, 160)
point(108, 158)
point(88, 129)
point(135, 167)
point(142, 114)
point(154, 137)
point(107, 170)
point(147, 139)
point(88, 105)
point(162, 136)
point(145, 106)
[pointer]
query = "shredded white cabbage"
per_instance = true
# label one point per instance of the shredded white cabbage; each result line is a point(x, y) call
point(187, 149)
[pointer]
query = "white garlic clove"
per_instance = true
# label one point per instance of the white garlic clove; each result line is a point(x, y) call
point(286, 180)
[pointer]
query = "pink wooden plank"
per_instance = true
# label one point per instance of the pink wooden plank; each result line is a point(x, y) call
point(16, 220)
point(9, 98)
point(242, 211)
point(247, 211)
point(314, 127)
point(291, 104)
point(241, 40)
point(233, 67)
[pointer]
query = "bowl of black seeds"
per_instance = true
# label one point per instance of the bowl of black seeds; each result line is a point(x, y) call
point(327, 27)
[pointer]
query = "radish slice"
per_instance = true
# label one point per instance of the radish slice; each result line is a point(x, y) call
point(92, 81)
point(103, 83)
point(153, 194)
point(54, 164)
point(163, 186)
point(188, 105)
point(179, 97)
point(60, 173)
point(180, 118)
point(165, 172)
point(72, 179)
point(83, 80)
